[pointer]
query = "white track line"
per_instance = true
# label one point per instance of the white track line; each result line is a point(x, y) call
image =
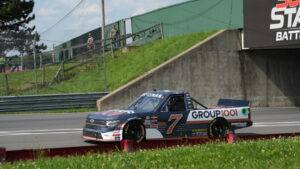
point(24, 134)
point(288, 122)
point(42, 130)
point(276, 124)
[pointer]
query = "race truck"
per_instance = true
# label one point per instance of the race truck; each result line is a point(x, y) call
point(159, 115)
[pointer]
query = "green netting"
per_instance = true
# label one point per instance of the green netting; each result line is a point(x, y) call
point(109, 27)
point(82, 39)
point(61, 55)
point(193, 16)
point(187, 17)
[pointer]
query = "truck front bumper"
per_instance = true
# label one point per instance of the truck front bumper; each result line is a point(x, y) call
point(97, 135)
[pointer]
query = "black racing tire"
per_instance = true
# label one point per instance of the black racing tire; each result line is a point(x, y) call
point(218, 128)
point(134, 130)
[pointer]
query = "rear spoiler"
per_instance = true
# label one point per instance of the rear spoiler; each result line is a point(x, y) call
point(233, 103)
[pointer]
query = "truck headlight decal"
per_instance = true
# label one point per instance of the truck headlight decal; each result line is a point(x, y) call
point(111, 123)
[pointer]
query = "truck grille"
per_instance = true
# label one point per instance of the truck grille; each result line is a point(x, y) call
point(96, 121)
point(92, 134)
point(91, 126)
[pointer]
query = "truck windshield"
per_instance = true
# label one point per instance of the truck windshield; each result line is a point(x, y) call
point(145, 104)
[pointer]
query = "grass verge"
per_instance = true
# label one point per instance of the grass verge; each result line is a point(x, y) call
point(276, 153)
point(124, 67)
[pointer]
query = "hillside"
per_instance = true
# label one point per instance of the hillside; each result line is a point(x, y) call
point(123, 68)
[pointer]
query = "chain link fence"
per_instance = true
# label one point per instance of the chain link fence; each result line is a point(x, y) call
point(66, 63)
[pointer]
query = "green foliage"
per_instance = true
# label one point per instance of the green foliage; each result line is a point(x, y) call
point(15, 13)
point(14, 31)
point(124, 67)
point(23, 81)
point(277, 153)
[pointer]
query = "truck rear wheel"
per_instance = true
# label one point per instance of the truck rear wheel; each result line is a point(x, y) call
point(218, 128)
point(135, 131)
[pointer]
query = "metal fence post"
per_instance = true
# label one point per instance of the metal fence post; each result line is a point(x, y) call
point(43, 76)
point(34, 64)
point(112, 50)
point(6, 83)
point(41, 61)
point(103, 44)
point(63, 69)
point(53, 54)
point(162, 30)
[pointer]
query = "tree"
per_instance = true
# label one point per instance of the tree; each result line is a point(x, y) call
point(15, 35)
point(15, 13)
point(14, 16)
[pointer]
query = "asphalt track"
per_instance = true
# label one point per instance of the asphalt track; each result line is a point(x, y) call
point(34, 131)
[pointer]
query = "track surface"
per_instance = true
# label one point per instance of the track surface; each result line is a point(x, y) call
point(32, 131)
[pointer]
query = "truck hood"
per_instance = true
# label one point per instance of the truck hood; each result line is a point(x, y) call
point(112, 114)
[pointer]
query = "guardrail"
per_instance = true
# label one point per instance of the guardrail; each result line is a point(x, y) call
point(49, 102)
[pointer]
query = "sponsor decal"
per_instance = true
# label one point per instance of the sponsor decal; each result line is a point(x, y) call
point(154, 117)
point(160, 96)
point(116, 112)
point(147, 123)
point(245, 111)
point(175, 118)
point(189, 102)
point(207, 114)
point(154, 126)
point(151, 122)
point(271, 23)
point(199, 134)
point(199, 130)
point(210, 114)
point(118, 138)
point(285, 16)
point(242, 124)
point(126, 111)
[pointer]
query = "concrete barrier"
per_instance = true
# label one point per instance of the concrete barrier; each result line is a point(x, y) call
point(218, 68)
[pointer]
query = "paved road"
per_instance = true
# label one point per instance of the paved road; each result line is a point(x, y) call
point(29, 131)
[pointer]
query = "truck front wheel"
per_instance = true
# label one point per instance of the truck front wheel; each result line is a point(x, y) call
point(135, 131)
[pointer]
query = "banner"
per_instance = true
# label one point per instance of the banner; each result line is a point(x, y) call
point(271, 23)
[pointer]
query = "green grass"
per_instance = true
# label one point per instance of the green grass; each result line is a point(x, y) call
point(19, 82)
point(22, 81)
point(124, 67)
point(263, 154)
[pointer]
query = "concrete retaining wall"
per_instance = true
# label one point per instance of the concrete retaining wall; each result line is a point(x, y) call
point(218, 68)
